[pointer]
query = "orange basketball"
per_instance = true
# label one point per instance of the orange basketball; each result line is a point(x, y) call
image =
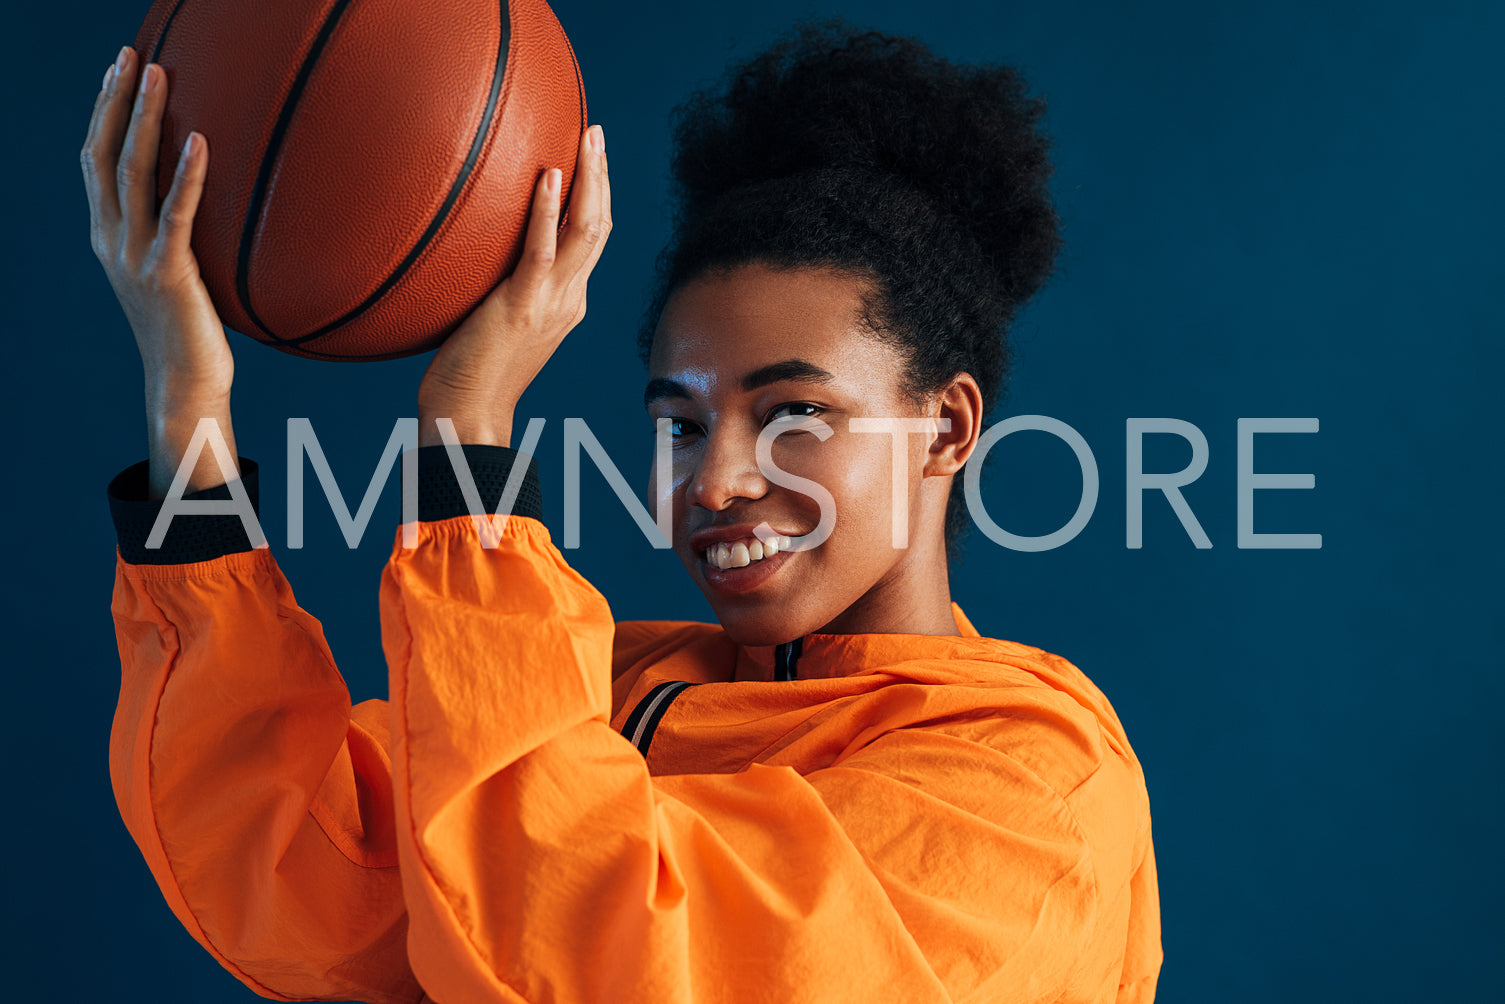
point(371, 162)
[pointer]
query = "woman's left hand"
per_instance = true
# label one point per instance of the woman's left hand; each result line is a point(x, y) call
point(480, 372)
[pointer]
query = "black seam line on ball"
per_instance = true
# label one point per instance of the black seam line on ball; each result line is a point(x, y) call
point(564, 209)
point(653, 705)
point(166, 27)
point(269, 162)
point(579, 88)
point(476, 145)
point(351, 356)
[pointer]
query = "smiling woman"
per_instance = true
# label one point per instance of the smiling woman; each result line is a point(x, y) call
point(840, 791)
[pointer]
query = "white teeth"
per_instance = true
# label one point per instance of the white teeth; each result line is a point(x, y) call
point(743, 553)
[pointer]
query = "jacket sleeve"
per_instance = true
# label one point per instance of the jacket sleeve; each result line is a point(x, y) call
point(1143, 954)
point(542, 861)
point(259, 797)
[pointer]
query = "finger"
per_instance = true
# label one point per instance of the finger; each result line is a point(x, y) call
point(605, 179)
point(99, 102)
point(604, 208)
point(137, 171)
point(102, 149)
point(543, 224)
point(603, 205)
point(605, 196)
point(585, 235)
point(175, 225)
point(86, 153)
point(105, 90)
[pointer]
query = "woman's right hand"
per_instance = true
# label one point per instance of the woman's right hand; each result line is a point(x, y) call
point(146, 255)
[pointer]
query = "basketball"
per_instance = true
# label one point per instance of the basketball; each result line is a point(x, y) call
point(372, 163)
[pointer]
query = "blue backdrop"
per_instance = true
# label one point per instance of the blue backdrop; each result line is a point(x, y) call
point(1271, 209)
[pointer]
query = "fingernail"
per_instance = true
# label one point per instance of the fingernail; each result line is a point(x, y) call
point(149, 78)
point(123, 58)
point(552, 179)
point(188, 147)
point(598, 139)
point(109, 75)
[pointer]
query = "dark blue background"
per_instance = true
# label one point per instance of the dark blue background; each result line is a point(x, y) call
point(1271, 209)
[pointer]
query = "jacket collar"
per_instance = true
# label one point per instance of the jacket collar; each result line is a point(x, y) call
point(822, 656)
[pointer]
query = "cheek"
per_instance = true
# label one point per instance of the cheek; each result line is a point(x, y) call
point(681, 471)
point(674, 490)
point(855, 470)
point(680, 474)
point(656, 489)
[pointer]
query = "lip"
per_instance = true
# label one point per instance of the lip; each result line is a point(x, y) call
point(732, 581)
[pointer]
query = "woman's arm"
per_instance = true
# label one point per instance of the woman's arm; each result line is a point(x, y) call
point(260, 799)
point(147, 257)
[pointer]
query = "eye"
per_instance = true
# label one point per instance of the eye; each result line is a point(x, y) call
point(781, 411)
point(679, 428)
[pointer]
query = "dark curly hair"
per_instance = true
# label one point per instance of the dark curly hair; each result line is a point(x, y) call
point(868, 155)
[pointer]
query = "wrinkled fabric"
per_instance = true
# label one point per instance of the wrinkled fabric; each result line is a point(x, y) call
point(913, 818)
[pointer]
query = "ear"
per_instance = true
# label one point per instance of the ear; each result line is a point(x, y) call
point(960, 401)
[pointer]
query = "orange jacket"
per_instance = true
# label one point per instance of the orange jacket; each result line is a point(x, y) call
point(557, 807)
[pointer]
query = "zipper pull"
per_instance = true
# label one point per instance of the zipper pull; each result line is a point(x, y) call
point(786, 659)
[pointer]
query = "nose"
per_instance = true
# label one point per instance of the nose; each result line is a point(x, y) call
point(726, 470)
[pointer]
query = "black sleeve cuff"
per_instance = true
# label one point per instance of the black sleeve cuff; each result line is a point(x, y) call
point(439, 495)
point(204, 537)
point(189, 537)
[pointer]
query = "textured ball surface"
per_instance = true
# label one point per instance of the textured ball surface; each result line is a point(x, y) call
point(371, 162)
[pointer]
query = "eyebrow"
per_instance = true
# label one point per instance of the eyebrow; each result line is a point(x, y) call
point(787, 369)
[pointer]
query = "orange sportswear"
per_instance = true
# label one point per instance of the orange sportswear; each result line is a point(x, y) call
point(557, 807)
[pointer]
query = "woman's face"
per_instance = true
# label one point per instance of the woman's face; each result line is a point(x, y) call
point(739, 352)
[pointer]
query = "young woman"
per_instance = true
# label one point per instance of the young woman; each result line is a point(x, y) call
point(839, 793)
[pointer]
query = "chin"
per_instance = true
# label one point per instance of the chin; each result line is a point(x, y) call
point(747, 627)
point(753, 623)
point(771, 614)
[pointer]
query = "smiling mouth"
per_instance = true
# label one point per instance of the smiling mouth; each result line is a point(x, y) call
point(740, 553)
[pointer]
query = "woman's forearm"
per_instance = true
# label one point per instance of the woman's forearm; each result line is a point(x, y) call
point(170, 429)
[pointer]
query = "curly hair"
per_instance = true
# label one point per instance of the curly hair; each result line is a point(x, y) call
point(868, 155)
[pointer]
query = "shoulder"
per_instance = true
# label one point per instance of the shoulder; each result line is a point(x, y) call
point(1024, 675)
point(1046, 714)
point(638, 642)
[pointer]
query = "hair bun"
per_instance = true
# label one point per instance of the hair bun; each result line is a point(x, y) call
point(829, 96)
